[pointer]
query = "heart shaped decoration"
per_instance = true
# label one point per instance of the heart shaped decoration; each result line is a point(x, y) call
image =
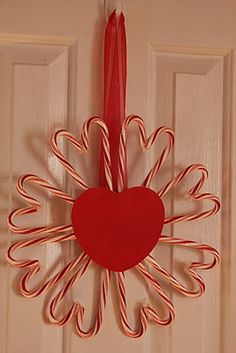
point(118, 230)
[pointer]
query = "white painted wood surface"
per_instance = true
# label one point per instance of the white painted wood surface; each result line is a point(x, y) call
point(180, 74)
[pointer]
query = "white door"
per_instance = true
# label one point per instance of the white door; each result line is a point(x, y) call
point(181, 73)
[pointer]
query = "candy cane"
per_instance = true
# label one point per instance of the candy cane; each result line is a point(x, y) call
point(76, 310)
point(35, 206)
point(197, 246)
point(120, 280)
point(83, 145)
point(146, 312)
point(193, 193)
point(146, 143)
point(52, 305)
point(197, 215)
point(182, 175)
point(33, 266)
point(99, 317)
point(175, 283)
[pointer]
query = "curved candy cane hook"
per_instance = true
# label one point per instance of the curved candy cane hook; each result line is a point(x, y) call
point(76, 310)
point(146, 312)
point(83, 145)
point(35, 206)
point(145, 143)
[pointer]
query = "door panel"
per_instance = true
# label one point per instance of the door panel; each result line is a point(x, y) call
point(33, 102)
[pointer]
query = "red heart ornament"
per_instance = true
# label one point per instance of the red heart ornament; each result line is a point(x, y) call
point(118, 230)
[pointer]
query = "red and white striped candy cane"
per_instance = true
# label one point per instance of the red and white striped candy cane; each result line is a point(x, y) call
point(197, 246)
point(99, 317)
point(83, 145)
point(35, 206)
point(76, 310)
point(182, 175)
point(33, 266)
point(194, 193)
point(121, 288)
point(146, 143)
point(146, 312)
point(52, 305)
point(175, 283)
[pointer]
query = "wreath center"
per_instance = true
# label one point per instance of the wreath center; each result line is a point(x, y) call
point(118, 230)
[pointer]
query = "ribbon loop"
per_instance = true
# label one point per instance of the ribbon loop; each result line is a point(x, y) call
point(114, 90)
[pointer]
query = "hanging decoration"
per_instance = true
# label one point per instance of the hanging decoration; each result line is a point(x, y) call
point(115, 226)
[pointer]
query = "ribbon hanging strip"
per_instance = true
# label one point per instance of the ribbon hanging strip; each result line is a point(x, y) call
point(114, 91)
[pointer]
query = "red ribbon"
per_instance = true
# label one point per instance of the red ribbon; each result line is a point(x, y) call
point(114, 89)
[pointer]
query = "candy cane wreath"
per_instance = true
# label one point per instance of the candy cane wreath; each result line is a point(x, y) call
point(77, 267)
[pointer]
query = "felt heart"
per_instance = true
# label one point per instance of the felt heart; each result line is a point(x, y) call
point(118, 230)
